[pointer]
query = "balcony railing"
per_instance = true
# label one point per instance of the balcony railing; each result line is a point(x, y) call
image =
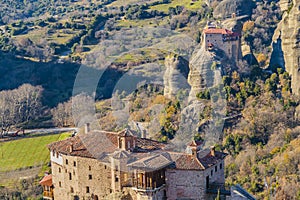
point(214, 188)
point(48, 194)
point(148, 189)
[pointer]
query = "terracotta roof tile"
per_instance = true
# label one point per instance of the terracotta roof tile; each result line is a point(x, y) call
point(47, 180)
point(125, 132)
point(217, 31)
point(153, 162)
point(100, 145)
point(97, 144)
point(186, 161)
point(90, 145)
point(210, 160)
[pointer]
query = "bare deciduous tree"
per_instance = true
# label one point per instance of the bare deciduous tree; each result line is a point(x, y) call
point(75, 112)
point(19, 106)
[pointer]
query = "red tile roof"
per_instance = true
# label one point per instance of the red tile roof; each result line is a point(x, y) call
point(90, 145)
point(153, 162)
point(203, 160)
point(125, 132)
point(47, 180)
point(217, 31)
point(100, 145)
point(97, 143)
point(186, 161)
point(209, 160)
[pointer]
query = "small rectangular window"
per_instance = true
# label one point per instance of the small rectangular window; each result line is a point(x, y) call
point(59, 184)
point(104, 166)
point(59, 170)
point(90, 177)
point(221, 166)
point(87, 189)
point(70, 176)
point(90, 168)
point(74, 164)
point(71, 190)
point(117, 179)
point(67, 162)
point(211, 172)
point(216, 168)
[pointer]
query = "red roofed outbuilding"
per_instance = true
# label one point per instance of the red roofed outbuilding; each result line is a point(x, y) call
point(47, 185)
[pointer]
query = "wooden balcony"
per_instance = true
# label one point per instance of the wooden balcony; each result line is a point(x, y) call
point(48, 195)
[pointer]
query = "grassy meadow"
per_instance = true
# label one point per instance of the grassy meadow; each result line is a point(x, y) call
point(188, 4)
point(27, 152)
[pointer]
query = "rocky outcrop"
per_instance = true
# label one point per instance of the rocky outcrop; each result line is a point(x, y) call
point(206, 69)
point(286, 43)
point(248, 55)
point(284, 4)
point(227, 7)
point(297, 113)
point(175, 77)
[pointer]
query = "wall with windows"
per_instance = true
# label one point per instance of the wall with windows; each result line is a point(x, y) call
point(56, 157)
point(230, 47)
point(80, 177)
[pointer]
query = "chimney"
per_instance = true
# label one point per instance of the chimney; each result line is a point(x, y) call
point(71, 148)
point(87, 128)
point(212, 151)
point(144, 134)
point(194, 151)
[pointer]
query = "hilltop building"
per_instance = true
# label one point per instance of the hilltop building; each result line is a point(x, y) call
point(226, 40)
point(108, 165)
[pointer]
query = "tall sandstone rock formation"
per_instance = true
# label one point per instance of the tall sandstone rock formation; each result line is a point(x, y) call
point(206, 69)
point(286, 41)
point(176, 74)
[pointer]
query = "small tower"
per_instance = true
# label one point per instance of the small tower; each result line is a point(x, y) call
point(126, 140)
point(193, 147)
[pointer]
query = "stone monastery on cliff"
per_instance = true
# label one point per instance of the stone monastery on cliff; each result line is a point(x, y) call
point(108, 165)
point(221, 38)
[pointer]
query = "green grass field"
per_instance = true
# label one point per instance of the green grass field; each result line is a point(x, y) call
point(27, 152)
point(188, 4)
point(127, 2)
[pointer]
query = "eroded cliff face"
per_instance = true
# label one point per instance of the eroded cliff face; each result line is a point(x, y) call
point(286, 39)
point(175, 77)
point(206, 70)
point(227, 7)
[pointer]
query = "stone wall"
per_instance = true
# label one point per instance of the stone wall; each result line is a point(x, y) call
point(231, 48)
point(185, 184)
point(94, 178)
point(191, 184)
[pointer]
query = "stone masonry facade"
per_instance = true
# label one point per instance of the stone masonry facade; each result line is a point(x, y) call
point(223, 39)
point(106, 165)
